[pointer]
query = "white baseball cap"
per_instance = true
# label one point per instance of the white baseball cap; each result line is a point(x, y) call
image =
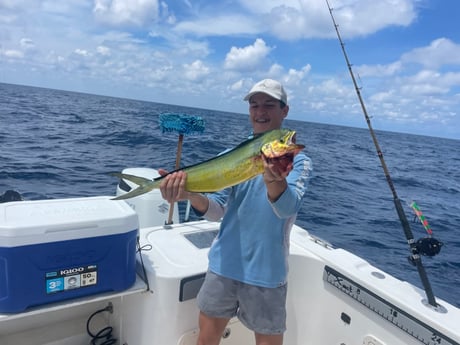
point(270, 87)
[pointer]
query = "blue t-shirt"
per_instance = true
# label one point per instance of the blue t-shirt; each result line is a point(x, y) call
point(252, 245)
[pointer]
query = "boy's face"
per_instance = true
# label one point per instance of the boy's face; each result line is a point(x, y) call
point(265, 113)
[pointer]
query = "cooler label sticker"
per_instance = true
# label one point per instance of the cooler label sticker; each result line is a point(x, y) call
point(70, 279)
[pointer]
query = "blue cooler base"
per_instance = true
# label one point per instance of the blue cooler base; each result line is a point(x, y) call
point(33, 275)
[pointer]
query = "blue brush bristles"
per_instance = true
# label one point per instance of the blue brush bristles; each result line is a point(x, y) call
point(181, 123)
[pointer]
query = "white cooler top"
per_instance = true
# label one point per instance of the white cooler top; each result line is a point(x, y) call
point(41, 221)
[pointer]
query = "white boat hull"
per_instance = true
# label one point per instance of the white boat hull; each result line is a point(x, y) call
point(334, 297)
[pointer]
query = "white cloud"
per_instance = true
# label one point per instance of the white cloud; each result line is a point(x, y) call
point(12, 4)
point(379, 70)
point(169, 17)
point(7, 18)
point(294, 19)
point(440, 52)
point(246, 58)
point(382, 96)
point(422, 89)
point(331, 86)
point(63, 8)
point(429, 82)
point(276, 70)
point(237, 86)
point(196, 70)
point(82, 52)
point(126, 12)
point(189, 48)
point(14, 54)
point(373, 15)
point(27, 43)
point(287, 23)
point(103, 50)
point(416, 88)
point(218, 25)
point(294, 77)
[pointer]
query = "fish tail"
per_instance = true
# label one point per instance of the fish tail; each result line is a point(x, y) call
point(133, 178)
point(145, 185)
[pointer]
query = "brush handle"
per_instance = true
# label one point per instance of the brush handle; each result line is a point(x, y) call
point(179, 150)
point(178, 155)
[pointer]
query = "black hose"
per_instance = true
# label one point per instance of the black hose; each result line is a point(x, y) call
point(104, 336)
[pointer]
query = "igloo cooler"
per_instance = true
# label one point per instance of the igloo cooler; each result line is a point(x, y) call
point(53, 250)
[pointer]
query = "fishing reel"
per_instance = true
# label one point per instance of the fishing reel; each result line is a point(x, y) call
point(427, 246)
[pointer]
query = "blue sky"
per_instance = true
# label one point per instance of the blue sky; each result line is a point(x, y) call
point(207, 54)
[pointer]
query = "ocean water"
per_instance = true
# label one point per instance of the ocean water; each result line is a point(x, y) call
point(59, 144)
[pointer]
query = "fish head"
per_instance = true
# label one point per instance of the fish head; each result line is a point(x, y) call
point(283, 147)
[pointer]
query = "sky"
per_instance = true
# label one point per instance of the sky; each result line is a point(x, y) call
point(405, 55)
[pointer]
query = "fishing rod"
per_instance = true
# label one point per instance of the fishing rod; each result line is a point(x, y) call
point(416, 247)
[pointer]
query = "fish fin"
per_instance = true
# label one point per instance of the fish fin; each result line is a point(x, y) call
point(145, 185)
point(299, 148)
point(133, 178)
point(136, 192)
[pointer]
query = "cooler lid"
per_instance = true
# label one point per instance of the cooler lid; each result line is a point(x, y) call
point(38, 221)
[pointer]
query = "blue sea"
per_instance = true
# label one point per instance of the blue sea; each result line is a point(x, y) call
point(60, 144)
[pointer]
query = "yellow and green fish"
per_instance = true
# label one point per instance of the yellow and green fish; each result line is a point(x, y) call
point(231, 168)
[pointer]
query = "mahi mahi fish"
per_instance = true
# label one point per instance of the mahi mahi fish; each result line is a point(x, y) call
point(228, 169)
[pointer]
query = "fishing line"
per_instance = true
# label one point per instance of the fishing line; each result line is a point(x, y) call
point(415, 257)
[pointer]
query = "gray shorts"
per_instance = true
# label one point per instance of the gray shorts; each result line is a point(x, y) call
point(262, 310)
